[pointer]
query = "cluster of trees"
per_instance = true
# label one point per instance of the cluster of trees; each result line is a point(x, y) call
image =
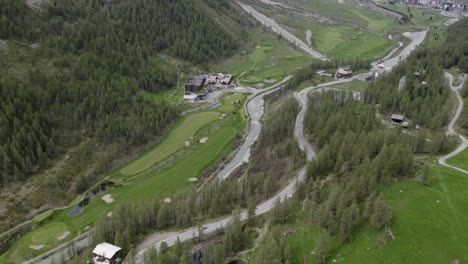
point(178, 254)
point(357, 156)
point(424, 96)
point(464, 116)
point(275, 154)
point(453, 52)
point(16, 20)
point(274, 249)
point(129, 220)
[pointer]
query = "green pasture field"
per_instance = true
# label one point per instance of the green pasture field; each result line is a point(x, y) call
point(269, 58)
point(429, 226)
point(352, 12)
point(339, 41)
point(349, 11)
point(174, 142)
point(422, 17)
point(461, 160)
point(169, 177)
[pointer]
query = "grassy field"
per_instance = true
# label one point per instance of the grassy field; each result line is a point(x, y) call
point(270, 58)
point(174, 142)
point(422, 17)
point(349, 11)
point(339, 41)
point(461, 160)
point(167, 178)
point(429, 226)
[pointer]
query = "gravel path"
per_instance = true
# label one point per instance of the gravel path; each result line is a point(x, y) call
point(451, 127)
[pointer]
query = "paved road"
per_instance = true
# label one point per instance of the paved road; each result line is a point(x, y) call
point(270, 23)
point(393, 51)
point(255, 112)
point(451, 127)
point(416, 39)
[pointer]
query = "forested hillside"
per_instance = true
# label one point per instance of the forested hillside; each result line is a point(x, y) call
point(423, 98)
point(74, 71)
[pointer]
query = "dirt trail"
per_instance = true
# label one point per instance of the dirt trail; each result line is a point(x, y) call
point(451, 127)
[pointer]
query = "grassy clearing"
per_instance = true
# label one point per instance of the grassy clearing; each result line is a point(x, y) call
point(461, 160)
point(422, 17)
point(436, 37)
point(270, 58)
point(338, 41)
point(429, 226)
point(169, 177)
point(181, 133)
point(350, 12)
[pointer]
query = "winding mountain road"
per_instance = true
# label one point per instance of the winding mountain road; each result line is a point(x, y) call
point(451, 127)
point(255, 111)
point(416, 39)
point(285, 193)
point(302, 97)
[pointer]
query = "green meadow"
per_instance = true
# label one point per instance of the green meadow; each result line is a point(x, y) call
point(268, 58)
point(461, 160)
point(339, 41)
point(161, 172)
point(429, 225)
point(172, 144)
point(422, 17)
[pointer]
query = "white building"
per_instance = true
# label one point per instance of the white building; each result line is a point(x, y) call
point(106, 253)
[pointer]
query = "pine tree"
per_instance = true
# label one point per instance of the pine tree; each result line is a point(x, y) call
point(322, 248)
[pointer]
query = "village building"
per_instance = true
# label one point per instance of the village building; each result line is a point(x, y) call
point(106, 253)
point(344, 72)
point(195, 87)
point(227, 79)
point(397, 118)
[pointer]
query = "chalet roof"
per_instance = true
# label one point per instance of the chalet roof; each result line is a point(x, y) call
point(397, 117)
point(106, 250)
point(196, 80)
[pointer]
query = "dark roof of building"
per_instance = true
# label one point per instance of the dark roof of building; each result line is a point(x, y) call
point(196, 80)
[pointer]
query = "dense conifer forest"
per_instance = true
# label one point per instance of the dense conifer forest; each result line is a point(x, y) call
point(73, 78)
point(104, 53)
point(424, 96)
